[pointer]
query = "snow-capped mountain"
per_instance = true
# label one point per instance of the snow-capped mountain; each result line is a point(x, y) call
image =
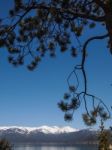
point(43, 129)
point(47, 135)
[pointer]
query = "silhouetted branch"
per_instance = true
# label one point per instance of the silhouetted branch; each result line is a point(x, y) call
point(99, 109)
point(84, 56)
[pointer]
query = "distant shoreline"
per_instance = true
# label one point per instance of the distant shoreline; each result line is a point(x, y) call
point(54, 144)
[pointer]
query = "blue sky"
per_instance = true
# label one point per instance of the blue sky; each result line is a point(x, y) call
point(30, 98)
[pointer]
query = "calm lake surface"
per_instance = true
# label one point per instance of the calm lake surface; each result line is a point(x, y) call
point(83, 147)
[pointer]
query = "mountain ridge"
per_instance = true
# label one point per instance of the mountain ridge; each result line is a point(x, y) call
point(44, 129)
point(47, 135)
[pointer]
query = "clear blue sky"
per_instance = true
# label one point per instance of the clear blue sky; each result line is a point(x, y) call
point(30, 98)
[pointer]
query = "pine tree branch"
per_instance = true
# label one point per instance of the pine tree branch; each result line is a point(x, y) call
point(84, 56)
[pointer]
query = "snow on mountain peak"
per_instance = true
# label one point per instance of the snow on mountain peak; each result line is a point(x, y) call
point(43, 129)
point(55, 129)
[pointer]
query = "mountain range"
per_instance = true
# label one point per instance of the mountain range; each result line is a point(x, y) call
point(48, 135)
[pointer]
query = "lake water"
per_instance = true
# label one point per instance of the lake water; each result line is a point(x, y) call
point(83, 147)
